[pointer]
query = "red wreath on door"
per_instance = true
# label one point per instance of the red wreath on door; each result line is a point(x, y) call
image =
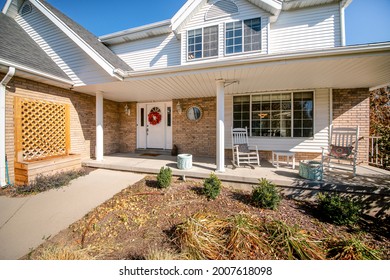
point(154, 116)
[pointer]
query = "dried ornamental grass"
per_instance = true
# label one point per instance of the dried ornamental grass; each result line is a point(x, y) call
point(202, 237)
point(53, 252)
point(351, 249)
point(162, 254)
point(294, 244)
point(246, 241)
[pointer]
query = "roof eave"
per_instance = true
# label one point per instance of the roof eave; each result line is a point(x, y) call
point(332, 52)
point(6, 6)
point(163, 27)
point(34, 72)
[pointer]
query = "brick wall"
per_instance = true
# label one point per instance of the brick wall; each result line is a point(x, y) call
point(83, 120)
point(128, 128)
point(351, 107)
point(197, 138)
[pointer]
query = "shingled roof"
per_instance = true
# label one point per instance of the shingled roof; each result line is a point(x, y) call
point(90, 39)
point(18, 47)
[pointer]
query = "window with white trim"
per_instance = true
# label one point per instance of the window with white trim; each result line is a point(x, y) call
point(275, 115)
point(202, 42)
point(243, 36)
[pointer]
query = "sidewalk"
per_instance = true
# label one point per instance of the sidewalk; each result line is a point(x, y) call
point(25, 223)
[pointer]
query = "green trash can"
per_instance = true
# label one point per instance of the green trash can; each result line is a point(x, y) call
point(310, 169)
point(184, 161)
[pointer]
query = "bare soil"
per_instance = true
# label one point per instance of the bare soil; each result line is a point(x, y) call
point(142, 217)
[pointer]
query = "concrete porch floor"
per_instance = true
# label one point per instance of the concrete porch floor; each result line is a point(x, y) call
point(368, 177)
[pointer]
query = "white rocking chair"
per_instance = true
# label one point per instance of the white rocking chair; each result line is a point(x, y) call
point(343, 147)
point(242, 152)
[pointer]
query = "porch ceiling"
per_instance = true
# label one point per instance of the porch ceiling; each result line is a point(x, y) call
point(348, 70)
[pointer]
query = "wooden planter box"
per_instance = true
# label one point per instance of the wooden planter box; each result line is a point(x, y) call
point(25, 172)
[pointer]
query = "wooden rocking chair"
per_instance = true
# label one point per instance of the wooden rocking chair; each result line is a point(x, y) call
point(242, 152)
point(343, 147)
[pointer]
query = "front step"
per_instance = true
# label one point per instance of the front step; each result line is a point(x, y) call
point(153, 151)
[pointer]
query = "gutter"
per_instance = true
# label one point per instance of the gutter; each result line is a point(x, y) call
point(3, 85)
point(270, 58)
point(144, 28)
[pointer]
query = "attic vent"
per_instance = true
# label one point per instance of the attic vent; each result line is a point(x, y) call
point(26, 9)
point(221, 8)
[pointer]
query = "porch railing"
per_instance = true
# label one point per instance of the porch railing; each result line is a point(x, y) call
point(375, 156)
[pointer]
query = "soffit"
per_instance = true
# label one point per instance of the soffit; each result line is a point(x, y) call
point(349, 71)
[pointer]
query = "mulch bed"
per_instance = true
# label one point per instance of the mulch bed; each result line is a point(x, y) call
point(141, 218)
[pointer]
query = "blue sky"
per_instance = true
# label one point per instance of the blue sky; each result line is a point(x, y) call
point(367, 21)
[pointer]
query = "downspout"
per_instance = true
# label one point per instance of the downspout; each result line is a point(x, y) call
point(342, 24)
point(3, 85)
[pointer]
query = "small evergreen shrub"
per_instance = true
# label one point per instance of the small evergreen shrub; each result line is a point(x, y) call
point(340, 210)
point(265, 195)
point(164, 178)
point(212, 186)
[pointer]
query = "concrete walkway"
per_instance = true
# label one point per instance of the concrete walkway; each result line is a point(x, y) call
point(25, 223)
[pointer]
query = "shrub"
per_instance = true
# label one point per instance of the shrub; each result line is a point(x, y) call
point(164, 177)
point(340, 210)
point(212, 186)
point(265, 195)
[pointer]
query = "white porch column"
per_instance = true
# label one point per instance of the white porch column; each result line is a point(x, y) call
point(99, 151)
point(3, 84)
point(220, 126)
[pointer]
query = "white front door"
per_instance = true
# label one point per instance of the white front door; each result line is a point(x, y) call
point(155, 126)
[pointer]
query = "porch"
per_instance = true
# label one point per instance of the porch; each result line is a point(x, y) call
point(368, 179)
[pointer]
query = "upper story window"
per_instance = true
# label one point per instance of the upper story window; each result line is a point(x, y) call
point(203, 42)
point(243, 36)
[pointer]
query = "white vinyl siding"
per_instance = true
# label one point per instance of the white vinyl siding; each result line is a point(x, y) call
point(301, 144)
point(81, 68)
point(246, 11)
point(306, 29)
point(155, 52)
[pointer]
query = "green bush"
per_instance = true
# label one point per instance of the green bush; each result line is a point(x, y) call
point(164, 177)
point(340, 210)
point(212, 186)
point(265, 195)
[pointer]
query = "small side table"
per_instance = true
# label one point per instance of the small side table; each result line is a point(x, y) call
point(286, 154)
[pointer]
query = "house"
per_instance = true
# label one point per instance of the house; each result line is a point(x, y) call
point(279, 68)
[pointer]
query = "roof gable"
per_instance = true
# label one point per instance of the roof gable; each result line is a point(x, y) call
point(274, 7)
point(181, 18)
point(19, 48)
point(84, 39)
point(90, 39)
